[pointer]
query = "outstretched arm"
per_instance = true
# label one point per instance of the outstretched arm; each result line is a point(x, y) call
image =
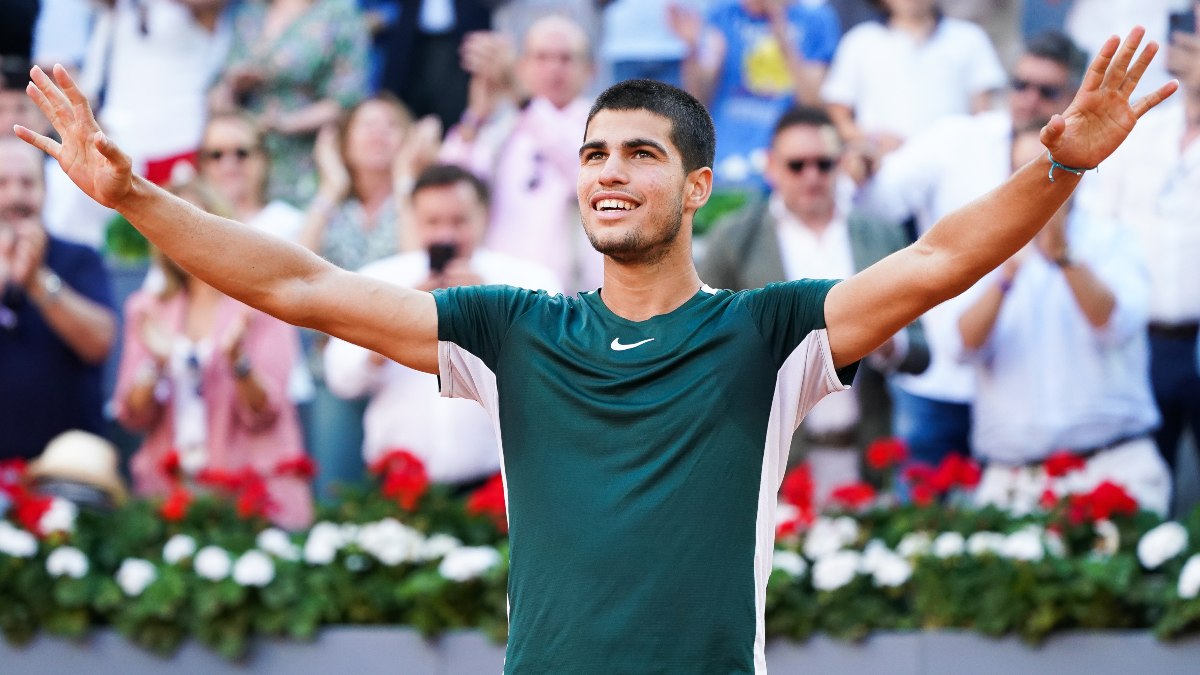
point(277, 277)
point(956, 252)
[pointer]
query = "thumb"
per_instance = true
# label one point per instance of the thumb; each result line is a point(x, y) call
point(111, 152)
point(1053, 131)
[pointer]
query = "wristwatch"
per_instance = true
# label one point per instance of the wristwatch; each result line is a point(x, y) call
point(52, 286)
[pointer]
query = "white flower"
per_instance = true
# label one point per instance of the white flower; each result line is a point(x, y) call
point(253, 568)
point(16, 542)
point(790, 562)
point(1161, 544)
point(835, 570)
point(468, 562)
point(60, 517)
point(948, 545)
point(67, 561)
point(914, 545)
point(785, 512)
point(135, 575)
point(891, 570)
point(829, 535)
point(324, 541)
point(984, 543)
point(1108, 537)
point(212, 563)
point(390, 541)
point(1025, 544)
point(1189, 578)
point(178, 547)
point(438, 546)
point(278, 543)
point(1054, 544)
point(873, 554)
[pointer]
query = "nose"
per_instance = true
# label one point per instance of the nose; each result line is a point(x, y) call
point(614, 171)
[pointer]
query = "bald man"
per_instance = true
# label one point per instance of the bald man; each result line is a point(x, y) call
point(519, 131)
point(56, 317)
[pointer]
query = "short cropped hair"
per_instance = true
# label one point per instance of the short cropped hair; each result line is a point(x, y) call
point(1055, 46)
point(14, 73)
point(442, 175)
point(801, 116)
point(692, 128)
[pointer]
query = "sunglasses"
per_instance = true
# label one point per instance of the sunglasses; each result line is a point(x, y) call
point(1046, 91)
point(216, 154)
point(823, 164)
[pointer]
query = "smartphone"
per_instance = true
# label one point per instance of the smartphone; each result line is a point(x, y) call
point(1181, 22)
point(440, 254)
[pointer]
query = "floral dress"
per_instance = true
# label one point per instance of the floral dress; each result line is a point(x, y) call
point(321, 55)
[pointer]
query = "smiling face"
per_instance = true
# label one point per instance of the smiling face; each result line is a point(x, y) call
point(232, 159)
point(374, 134)
point(802, 169)
point(633, 192)
point(21, 187)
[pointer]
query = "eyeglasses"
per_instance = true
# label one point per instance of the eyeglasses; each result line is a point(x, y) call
point(1046, 91)
point(823, 164)
point(216, 154)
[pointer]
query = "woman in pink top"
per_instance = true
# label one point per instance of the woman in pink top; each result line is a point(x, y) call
point(206, 376)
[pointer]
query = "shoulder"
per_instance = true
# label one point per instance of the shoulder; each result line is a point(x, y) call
point(864, 34)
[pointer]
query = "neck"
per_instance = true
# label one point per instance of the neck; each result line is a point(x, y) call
point(372, 187)
point(639, 291)
point(817, 218)
point(919, 26)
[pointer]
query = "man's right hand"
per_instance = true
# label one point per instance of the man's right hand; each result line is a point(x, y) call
point(86, 154)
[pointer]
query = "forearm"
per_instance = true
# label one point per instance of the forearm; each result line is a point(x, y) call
point(976, 324)
point(242, 262)
point(87, 327)
point(140, 407)
point(252, 394)
point(307, 119)
point(697, 78)
point(843, 120)
point(1093, 296)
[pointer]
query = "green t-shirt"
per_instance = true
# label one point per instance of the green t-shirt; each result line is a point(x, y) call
point(641, 464)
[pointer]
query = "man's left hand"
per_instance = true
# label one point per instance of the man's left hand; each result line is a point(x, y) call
point(26, 252)
point(1101, 116)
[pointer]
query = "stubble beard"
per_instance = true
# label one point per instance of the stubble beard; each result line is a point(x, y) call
point(635, 248)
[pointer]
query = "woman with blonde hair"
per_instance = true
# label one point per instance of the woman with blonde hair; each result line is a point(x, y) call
point(205, 376)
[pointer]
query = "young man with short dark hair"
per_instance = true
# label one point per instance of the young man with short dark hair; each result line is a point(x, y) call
point(642, 426)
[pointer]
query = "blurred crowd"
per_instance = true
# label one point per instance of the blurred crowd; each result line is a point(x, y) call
point(433, 143)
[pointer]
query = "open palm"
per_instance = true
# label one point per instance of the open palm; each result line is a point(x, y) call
point(86, 155)
point(1101, 115)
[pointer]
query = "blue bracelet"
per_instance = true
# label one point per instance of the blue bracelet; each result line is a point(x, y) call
point(1055, 165)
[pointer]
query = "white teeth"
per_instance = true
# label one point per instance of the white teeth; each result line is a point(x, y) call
point(611, 204)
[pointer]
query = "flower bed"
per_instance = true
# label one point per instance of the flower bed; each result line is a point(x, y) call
point(209, 567)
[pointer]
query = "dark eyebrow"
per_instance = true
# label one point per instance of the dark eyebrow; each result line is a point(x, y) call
point(630, 144)
point(592, 145)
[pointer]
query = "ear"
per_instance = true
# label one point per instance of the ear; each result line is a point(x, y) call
point(697, 188)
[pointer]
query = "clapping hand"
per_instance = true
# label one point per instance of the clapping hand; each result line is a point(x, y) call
point(86, 154)
point(1101, 116)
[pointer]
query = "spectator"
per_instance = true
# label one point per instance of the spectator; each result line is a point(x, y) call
point(890, 81)
point(56, 318)
point(748, 63)
point(638, 42)
point(1153, 188)
point(355, 220)
point(422, 66)
point(296, 65)
point(1057, 339)
point(15, 105)
point(454, 438)
point(206, 376)
point(805, 229)
point(529, 152)
point(1000, 19)
point(951, 164)
point(179, 45)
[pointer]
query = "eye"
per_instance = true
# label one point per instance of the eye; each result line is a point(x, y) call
point(593, 155)
point(643, 154)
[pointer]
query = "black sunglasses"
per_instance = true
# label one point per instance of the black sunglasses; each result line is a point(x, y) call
point(215, 155)
point(1046, 91)
point(823, 164)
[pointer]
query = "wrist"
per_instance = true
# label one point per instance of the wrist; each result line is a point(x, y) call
point(242, 367)
point(45, 288)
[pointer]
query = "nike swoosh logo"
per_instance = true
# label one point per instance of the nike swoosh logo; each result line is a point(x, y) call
point(618, 347)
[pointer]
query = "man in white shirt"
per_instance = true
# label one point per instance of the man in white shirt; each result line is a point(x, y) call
point(952, 164)
point(454, 437)
point(1155, 188)
point(1056, 337)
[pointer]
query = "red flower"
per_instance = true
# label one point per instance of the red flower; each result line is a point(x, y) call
point(169, 464)
point(404, 477)
point(488, 501)
point(797, 488)
point(1063, 462)
point(788, 528)
point(923, 494)
point(28, 509)
point(955, 471)
point(175, 507)
point(218, 478)
point(886, 453)
point(252, 497)
point(301, 466)
point(854, 495)
point(1106, 500)
point(1049, 500)
point(12, 477)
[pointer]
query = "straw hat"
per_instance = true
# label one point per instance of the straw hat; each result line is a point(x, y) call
point(80, 457)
